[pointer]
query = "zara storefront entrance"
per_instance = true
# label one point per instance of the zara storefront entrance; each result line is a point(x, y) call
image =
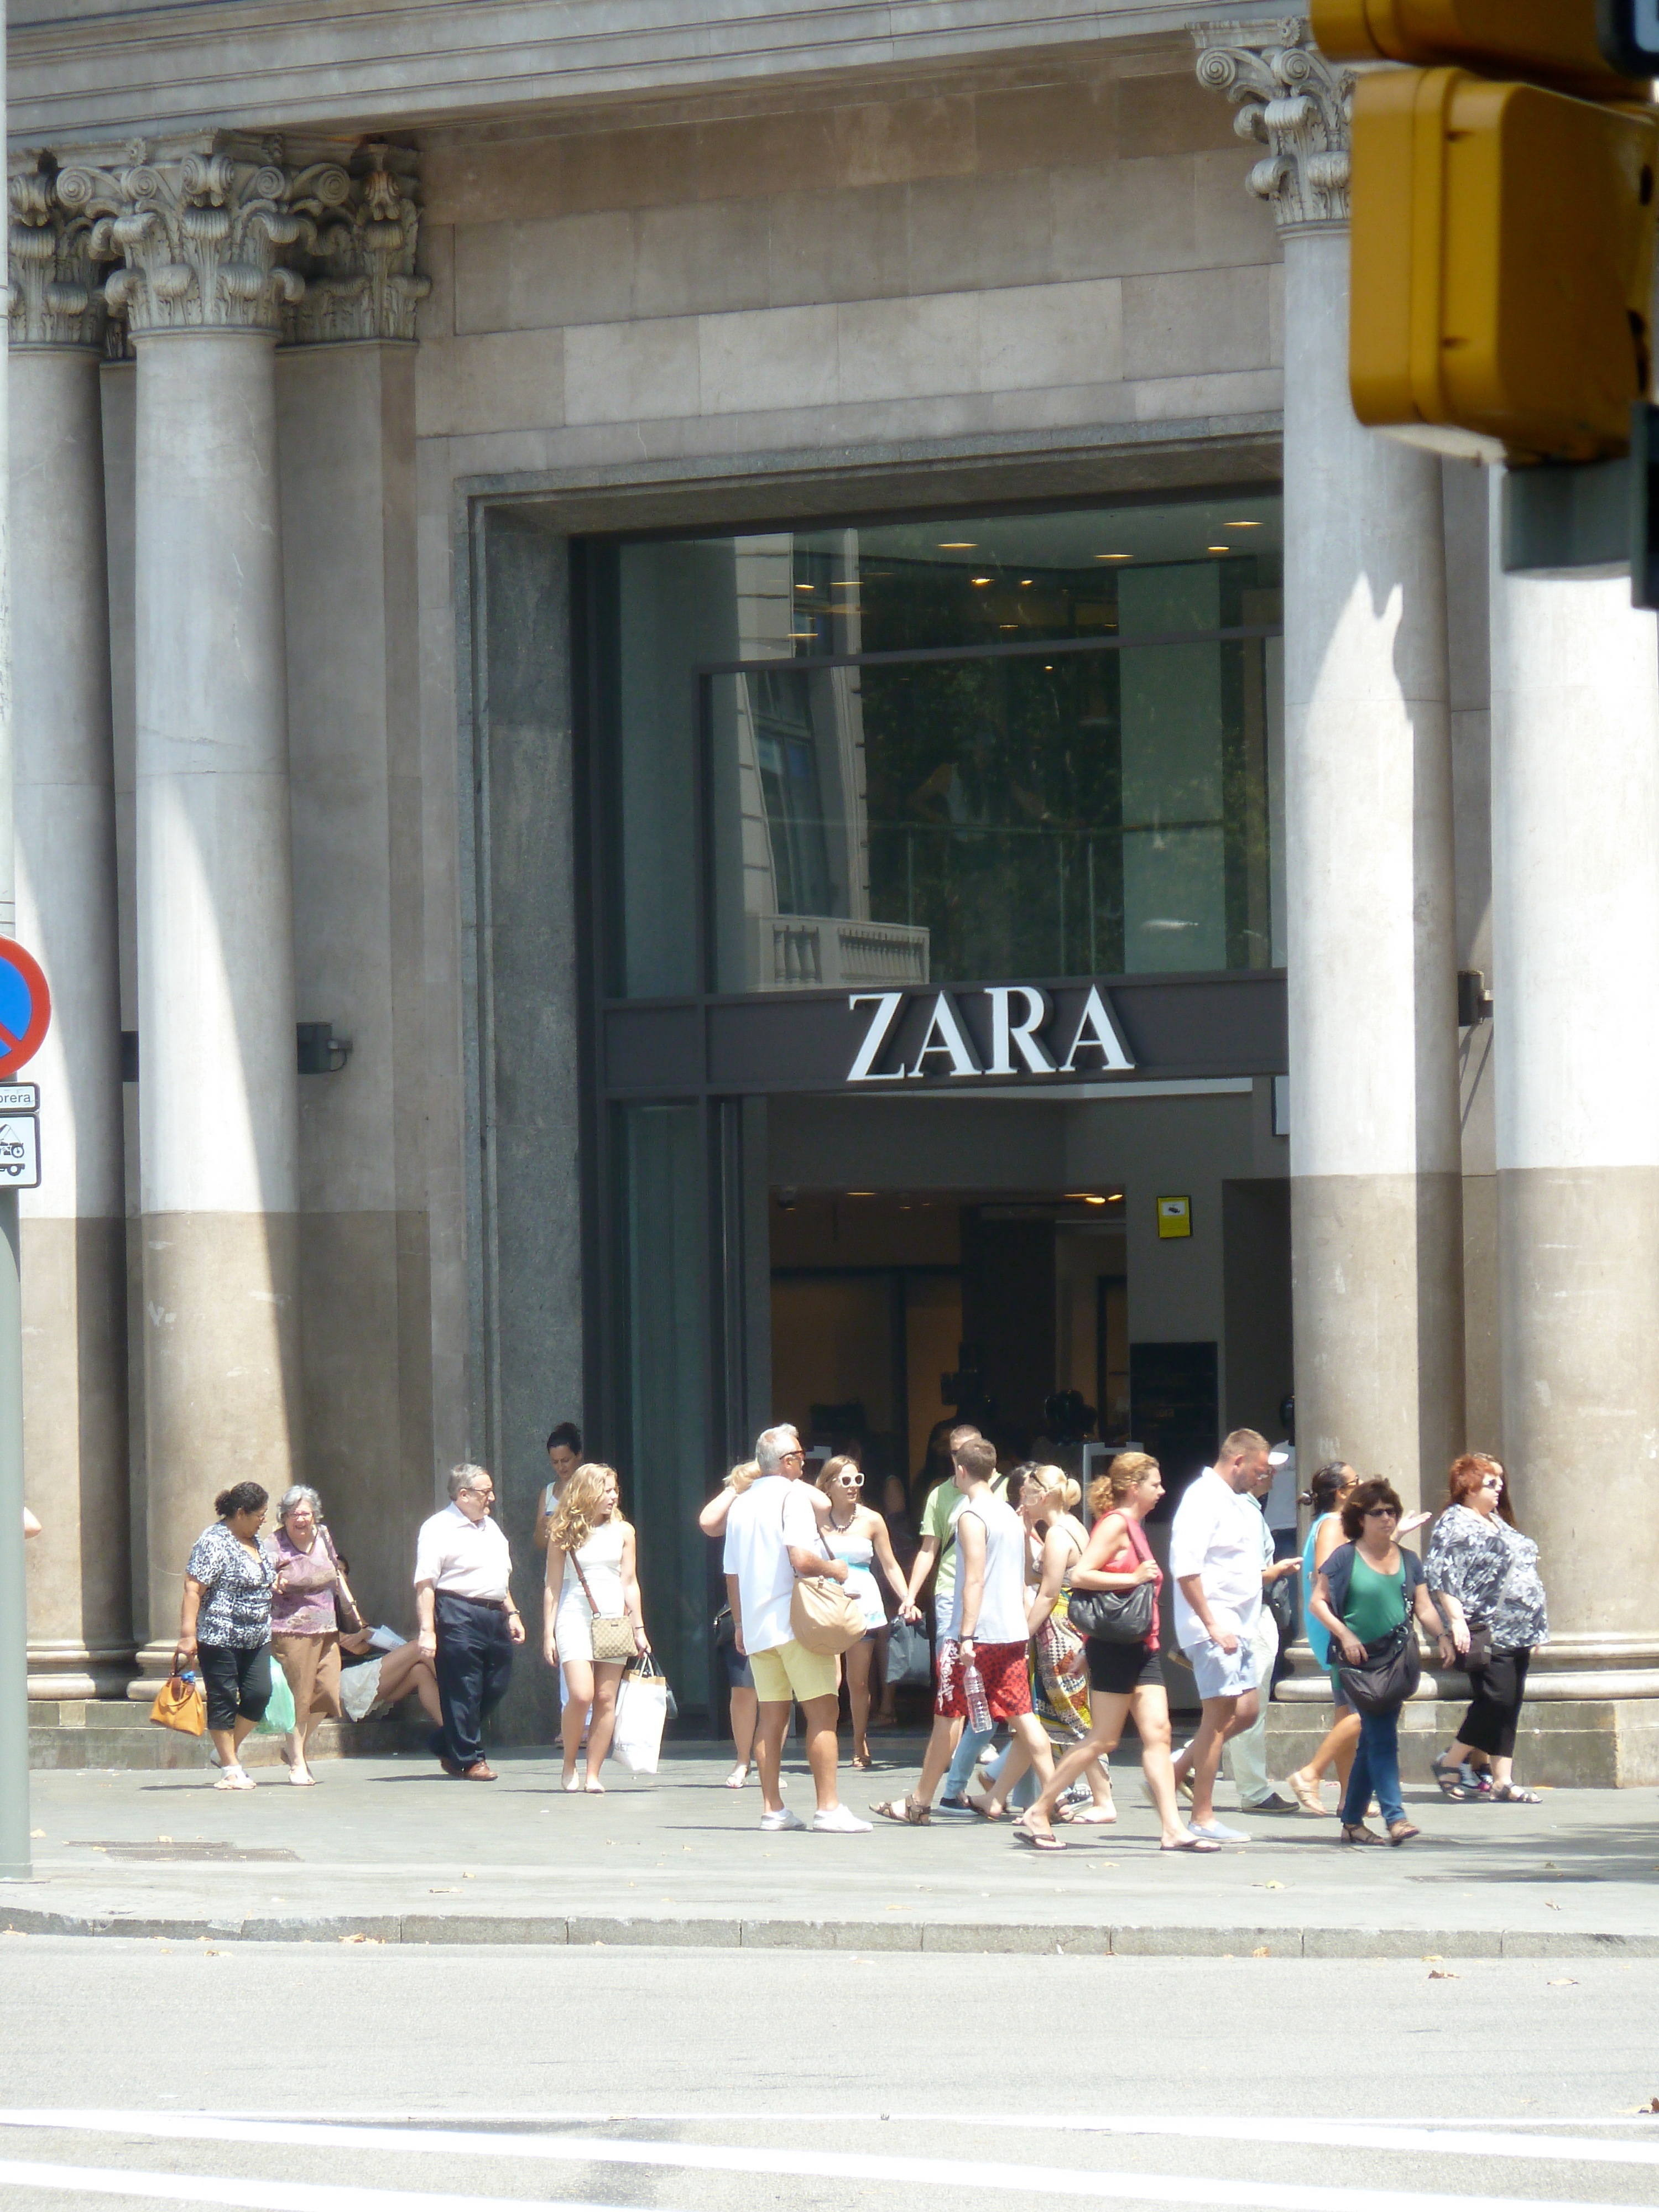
point(933, 950)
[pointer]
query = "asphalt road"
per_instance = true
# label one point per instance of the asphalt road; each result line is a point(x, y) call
point(729, 2081)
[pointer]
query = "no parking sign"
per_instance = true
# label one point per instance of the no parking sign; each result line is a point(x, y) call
point(25, 1014)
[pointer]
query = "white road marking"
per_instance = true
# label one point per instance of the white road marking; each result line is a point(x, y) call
point(273, 2195)
point(837, 2166)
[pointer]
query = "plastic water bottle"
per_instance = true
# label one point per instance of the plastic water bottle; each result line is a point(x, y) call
point(973, 1691)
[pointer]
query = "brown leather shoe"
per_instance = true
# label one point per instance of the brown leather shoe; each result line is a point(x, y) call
point(479, 1773)
point(451, 1767)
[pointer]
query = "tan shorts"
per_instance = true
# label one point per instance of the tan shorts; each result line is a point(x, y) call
point(312, 1664)
point(790, 1670)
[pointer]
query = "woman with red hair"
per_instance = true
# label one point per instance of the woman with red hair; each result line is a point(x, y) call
point(1482, 1573)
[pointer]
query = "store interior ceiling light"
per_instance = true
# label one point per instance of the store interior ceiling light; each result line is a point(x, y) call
point(1114, 556)
point(958, 545)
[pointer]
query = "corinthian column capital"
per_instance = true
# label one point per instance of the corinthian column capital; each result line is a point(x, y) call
point(1289, 99)
point(56, 297)
point(361, 281)
point(207, 228)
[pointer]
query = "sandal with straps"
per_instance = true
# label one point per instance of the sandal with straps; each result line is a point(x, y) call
point(1512, 1793)
point(908, 1812)
point(1450, 1778)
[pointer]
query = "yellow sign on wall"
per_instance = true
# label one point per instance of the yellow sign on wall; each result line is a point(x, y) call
point(1175, 1216)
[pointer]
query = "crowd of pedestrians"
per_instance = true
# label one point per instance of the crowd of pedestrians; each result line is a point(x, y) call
point(1051, 1630)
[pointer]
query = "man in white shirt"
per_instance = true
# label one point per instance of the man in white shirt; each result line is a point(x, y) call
point(1248, 1752)
point(987, 1628)
point(772, 1541)
point(1215, 1563)
point(468, 1621)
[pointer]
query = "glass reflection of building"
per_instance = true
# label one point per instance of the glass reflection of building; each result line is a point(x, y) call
point(1032, 746)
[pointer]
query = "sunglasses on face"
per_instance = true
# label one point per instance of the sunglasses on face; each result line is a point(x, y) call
point(1493, 1482)
point(1381, 1513)
point(850, 1481)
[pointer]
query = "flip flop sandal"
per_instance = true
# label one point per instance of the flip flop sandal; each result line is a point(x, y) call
point(1192, 1844)
point(907, 1812)
point(977, 1805)
point(1091, 1816)
point(1039, 1839)
point(1512, 1793)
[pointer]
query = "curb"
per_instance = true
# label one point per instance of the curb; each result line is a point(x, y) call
point(715, 1933)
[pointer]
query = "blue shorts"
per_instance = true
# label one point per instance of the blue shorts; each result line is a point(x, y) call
point(1221, 1673)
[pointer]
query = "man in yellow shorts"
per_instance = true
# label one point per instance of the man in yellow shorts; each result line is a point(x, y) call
point(772, 1538)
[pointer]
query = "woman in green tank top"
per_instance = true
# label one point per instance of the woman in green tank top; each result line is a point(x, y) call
point(1367, 1591)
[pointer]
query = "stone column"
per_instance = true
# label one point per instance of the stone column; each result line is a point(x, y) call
point(1375, 1160)
point(203, 224)
point(73, 1233)
point(1575, 927)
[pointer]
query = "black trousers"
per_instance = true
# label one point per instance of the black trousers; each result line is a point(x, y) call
point(235, 1680)
point(474, 1666)
point(1489, 1725)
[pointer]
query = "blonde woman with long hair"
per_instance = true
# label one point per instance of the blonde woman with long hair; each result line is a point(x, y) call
point(590, 1577)
point(739, 1678)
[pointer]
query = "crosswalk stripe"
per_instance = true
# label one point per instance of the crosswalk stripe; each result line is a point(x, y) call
point(836, 2166)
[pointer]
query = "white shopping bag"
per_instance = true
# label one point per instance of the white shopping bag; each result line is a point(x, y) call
point(642, 1710)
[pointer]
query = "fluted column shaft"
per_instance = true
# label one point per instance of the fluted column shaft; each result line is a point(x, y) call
point(1576, 950)
point(1375, 1189)
point(73, 1243)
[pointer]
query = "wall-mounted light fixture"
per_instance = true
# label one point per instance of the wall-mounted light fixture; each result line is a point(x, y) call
point(320, 1052)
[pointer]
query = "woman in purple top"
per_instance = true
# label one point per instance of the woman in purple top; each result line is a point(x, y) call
point(304, 1622)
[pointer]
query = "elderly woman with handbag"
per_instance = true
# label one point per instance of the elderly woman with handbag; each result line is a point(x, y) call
point(311, 1608)
point(1484, 1574)
point(1367, 1594)
point(224, 1624)
point(591, 1621)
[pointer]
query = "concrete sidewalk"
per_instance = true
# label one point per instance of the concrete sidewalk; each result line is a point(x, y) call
point(387, 1850)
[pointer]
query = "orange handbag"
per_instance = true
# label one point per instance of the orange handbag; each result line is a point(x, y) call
point(180, 1704)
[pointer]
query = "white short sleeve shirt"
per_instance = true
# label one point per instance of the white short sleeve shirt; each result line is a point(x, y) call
point(464, 1558)
point(772, 1513)
point(1217, 1535)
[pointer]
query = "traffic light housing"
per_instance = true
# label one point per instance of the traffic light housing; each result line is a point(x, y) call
point(1502, 262)
point(1504, 224)
point(1557, 41)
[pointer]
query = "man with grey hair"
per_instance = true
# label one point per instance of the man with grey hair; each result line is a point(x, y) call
point(468, 1621)
point(771, 1540)
point(1216, 1555)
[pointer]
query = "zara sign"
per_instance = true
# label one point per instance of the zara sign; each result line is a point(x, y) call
point(992, 1029)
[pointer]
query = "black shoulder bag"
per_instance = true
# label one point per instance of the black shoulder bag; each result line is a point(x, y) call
point(1119, 1616)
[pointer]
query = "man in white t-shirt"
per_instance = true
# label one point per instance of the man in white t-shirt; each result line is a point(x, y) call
point(987, 1628)
point(771, 1540)
point(1215, 1563)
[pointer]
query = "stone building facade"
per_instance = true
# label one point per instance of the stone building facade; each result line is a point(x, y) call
point(337, 345)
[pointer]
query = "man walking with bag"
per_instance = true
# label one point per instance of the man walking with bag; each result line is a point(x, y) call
point(772, 1542)
point(468, 1621)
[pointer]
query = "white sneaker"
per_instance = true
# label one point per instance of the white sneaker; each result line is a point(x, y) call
point(1216, 1831)
point(781, 1819)
point(840, 1822)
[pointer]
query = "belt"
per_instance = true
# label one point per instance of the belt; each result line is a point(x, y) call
point(489, 1604)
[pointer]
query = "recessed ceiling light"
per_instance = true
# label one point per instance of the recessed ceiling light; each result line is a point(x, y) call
point(1114, 556)
point(1025, 580)
point(860, 1193)
point(806, 587)
point(983, 579)
point(1220, 549)
point(959, 545)
point(1242, 525)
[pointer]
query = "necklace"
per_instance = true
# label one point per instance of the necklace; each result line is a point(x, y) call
point(842, 1526)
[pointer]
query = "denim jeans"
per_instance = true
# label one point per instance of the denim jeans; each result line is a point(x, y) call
point(1376, 1771)
point(964, 1758)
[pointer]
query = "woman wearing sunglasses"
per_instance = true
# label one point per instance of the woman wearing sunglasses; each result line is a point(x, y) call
point(1367, 1591)
point(857, 1534)
point(1484, 1574)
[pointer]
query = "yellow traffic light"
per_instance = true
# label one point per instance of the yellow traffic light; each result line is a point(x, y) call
point(1502, 254)
point(1554, 40)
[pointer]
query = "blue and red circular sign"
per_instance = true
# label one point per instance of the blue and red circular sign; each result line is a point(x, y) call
point(25, 1007)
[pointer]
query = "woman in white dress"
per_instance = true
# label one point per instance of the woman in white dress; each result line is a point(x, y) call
point(590, 1577)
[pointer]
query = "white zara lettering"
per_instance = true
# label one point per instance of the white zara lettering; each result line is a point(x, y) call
point(1009, 1037)
point(886, 1004)
point(1096, 1032)
point(945, 1034)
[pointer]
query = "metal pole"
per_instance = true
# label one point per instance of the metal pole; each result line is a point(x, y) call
point(14, 1610)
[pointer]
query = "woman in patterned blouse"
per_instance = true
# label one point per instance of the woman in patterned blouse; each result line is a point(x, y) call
point(224, 1624)
point(1483, 1574)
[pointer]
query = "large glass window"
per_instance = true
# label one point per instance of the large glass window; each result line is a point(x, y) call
point(1039, 745)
